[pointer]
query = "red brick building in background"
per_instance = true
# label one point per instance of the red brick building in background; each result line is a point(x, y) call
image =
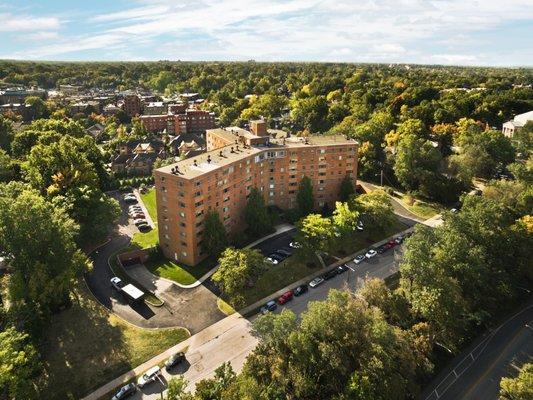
point(189, 121)
point(132, 105)
point(236, 161)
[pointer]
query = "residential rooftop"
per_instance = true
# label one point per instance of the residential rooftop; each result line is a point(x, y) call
point(194, 167)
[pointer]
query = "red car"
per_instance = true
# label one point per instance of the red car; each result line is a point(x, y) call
point(390, 244)
point(285, 297)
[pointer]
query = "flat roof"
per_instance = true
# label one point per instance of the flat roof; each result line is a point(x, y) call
point(133, 292)
point(198, 165)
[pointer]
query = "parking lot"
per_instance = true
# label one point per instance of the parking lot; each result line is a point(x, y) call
point(233, 344)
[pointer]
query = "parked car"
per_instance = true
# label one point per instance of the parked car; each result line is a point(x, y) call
point(270, 306)
point(144, 227)
point(330, 274)
point(174, 360)
point(138, 215)
point(399, 239)
point(271, 260)
point(371, 253)
point(139, 221)
point(300, 290)
point(391, 243)
point(117, 283)
point(359, 259)
point(285, 297)
point(284, 253)
point(360, 227)
point(149, 376)
point(382, 249)
point(125, 391)
point(295, 245)
point(279, 255)
point(275, 256)
point(341, 269)
point(315, 282)
point(130, 198)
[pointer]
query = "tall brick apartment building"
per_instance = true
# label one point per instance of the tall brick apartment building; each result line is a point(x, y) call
point(188, 121)
point(132, 105)
point(236, 161)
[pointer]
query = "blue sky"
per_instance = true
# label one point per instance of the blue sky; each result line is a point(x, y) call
point(464, 32)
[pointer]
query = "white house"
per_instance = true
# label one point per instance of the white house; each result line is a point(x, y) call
point(511, 127)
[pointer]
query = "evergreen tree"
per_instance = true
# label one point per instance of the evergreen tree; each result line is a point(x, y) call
point(215, 235)
point(305, 198)
point(347, 190)
point(256, 214)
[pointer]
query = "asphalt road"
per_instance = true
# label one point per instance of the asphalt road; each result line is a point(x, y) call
point(477, 372)
point(236, 342)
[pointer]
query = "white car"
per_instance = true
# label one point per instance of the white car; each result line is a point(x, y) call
point(295, 245)
point(315, 282)
point(272, 260)
point(359, 259)
point(360, 227)
point(149, 376)
point(117, 283)
point(371, 253)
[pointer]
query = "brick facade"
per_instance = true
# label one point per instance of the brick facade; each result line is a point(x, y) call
point(221, 179)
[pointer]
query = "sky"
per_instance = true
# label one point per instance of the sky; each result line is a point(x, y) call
point(458, 32)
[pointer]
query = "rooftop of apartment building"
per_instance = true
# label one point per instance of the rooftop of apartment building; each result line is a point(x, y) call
point(214, 159)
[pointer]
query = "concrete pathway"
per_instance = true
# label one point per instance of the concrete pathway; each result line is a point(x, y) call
point(231, 339)
point(399, 209)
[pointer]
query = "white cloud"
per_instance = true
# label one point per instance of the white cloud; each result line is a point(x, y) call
point(23, 23)
point(41, 35)
point(388, 48)
point(346, 30)
point(456, 58)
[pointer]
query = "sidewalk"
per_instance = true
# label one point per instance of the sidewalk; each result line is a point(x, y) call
point(223, 325)
point(281, 228)
point(197, 340)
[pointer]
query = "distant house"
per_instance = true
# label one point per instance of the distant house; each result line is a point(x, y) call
point(511, 127)
point(138, 156)
point(111, 109)
point(96, 131)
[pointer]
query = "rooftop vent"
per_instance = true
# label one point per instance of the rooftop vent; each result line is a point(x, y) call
point(220, 154)
point(232, 151)
point(209, 159)
point(195, 163)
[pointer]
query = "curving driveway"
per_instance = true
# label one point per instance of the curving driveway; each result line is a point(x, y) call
point(193, 309)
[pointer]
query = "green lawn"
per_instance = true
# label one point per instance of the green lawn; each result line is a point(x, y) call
point(148, 199)
point(85, 346)
point(142, 240)
point(180, 273)
point(420, 208)
point(277, 277)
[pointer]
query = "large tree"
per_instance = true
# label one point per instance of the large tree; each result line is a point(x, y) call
point(346, 190)
point(519, 388)
point(416, 161)
point(6, 134)
point(238, 269)
point(256, 214)
point(315, 234)
point(333, 351)
point(304, 197)
point(19, 364)
point(375, 210)
point(215, 236)
point(37, 238)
